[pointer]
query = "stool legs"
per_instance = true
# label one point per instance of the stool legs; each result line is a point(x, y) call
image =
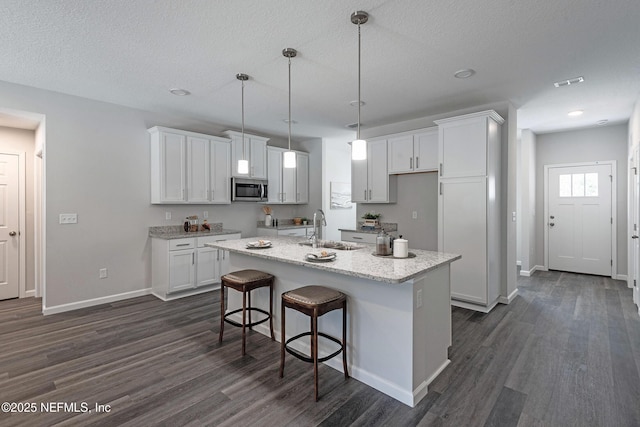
point(244, 313)
point(314, 351)
point(273, 337)
point(282, 341)
point(344, 339)
point(221, 313)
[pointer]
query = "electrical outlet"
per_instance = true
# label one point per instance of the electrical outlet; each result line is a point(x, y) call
point(167, 216)
point(414, 215)
point(102, 273)
point(205, 214)
point(419, 298)
point(69, 218)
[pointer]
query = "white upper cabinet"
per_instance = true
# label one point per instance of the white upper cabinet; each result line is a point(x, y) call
point(188, 167)
point(287, 185)
point(463, 144)
point(255, 151)
point(413, 152)
point(370, 181)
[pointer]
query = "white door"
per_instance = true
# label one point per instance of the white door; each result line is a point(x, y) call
point(9, 238)
point(635, 213)
point(580, 219)
point(377, 175)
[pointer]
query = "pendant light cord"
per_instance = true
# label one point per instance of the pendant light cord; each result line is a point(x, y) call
point(359, 102)
point(289, 103)
point(243, 153)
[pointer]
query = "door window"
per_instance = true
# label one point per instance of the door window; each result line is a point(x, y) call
point(578, 185)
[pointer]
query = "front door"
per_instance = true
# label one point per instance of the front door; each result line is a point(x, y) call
point(9, 240)
point(580, 219)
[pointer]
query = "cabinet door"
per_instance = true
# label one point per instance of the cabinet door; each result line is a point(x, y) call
point(377, 171)
point(198, 165)
point(289, 184)
point(172, 167)
point(463, 148)
point(359, 184)
point(274, 175)
point(400, 154)
point(220, 172)
point(207, 266)
point(302, 178)
point(181, 270)
point(425, 151)
point(237, 154)
point(225, 264)
point(462, 229)
point(258, 159)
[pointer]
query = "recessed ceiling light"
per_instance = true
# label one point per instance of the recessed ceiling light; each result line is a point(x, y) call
point(179, 92)
point(293, 122)
point(355, 103)
point(569, 82)
point(465, 73)
point(602, 122)
point(575, 113)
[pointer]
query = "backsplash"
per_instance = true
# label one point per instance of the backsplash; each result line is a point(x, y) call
point(172, 229)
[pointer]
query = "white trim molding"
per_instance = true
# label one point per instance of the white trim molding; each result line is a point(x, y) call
point(95, 301)
point(535, 268)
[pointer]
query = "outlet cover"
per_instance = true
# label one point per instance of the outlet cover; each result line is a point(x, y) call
point(69, 218)
point(167, 216)
point(103, 273)
point(205, 214)
point(414, 214)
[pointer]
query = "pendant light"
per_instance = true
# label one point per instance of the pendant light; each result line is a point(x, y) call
point(289, 156)
point(359, 146)
point(243, 163)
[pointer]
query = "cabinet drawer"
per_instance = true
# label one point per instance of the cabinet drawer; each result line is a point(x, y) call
point(353, 236)
point(299, 232)
point(210, 239)
point(179, 244)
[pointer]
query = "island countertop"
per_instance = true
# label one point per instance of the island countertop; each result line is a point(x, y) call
point(358, 263)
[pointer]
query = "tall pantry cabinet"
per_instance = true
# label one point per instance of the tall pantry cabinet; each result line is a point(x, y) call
point(469, 206)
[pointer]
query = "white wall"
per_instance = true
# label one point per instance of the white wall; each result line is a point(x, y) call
point(585, 145)
point(21, 140)
point(336, 158)
point(527, 194)
point(97, 165)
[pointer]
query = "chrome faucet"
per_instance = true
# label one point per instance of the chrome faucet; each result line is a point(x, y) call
point(316, 228)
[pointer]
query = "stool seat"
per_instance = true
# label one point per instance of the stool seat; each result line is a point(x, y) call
point(313, 295)
point(314, 301)
point(246, 281)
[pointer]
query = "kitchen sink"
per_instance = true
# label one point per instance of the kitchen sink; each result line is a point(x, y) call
point(341, 246)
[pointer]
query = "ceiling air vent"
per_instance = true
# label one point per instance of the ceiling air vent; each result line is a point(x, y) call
point(569, 82)
point(353, 125)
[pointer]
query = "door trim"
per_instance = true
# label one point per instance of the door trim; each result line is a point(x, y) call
point(22, 253)
point(614, 209)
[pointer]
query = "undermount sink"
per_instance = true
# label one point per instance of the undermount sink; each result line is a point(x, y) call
point(341, 246)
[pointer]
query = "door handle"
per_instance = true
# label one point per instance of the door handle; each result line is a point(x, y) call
point(551, 224)
point(552, 217)
point(12, 233)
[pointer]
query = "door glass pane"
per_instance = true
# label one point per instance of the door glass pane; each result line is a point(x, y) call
point(591, 184)
point(565, 185)
point(577, 189)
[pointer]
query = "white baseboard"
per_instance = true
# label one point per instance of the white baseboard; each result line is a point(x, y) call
point(528, 273)
point(472, 306)
point(507, 300)
point(621, 277)
point(519, 263)
point(31, 293)
point(95, 301)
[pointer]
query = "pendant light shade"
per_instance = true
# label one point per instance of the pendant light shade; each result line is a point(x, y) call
point(243, 163)
point(289, 156)
point(359, 146)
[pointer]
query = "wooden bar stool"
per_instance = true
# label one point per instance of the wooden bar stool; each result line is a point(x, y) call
point(314, 301)
point(245, 281)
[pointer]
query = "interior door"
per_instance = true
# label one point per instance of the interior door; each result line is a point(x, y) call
point(9, 222)
point(580, 219)
point(635, 212)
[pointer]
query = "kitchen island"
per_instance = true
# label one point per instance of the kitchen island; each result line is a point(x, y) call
point(399, 310)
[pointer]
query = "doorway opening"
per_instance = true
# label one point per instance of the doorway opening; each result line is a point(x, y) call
point(580, 217)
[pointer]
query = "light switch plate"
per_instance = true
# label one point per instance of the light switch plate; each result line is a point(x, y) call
point(69, 218)
point(414, 215)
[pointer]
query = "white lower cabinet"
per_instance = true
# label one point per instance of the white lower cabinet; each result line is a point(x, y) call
point(182, 267)
point(354, 236)
point(285, 232)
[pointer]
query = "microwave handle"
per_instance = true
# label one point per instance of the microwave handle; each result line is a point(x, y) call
point(262, 192)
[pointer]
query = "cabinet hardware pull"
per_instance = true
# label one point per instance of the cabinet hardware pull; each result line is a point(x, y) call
point(369, 194)
point(223, 254)
point(218, 255)
point(410, 162)
point(365, 194)
point(357, 238)
point(441, 189)
point(417, 162)
point(183, 244)
point(193, 258)
point(441, 169)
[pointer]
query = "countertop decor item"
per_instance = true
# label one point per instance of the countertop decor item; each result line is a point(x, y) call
point(371, 219)
point(400, 248)
point(267, 216)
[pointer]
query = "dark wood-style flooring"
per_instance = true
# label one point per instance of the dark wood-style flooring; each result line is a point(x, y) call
point(566, 352)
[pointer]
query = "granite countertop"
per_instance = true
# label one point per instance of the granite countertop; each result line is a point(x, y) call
point(358, 263)
point(389, 227)
point(177, 232)
point(286, 226)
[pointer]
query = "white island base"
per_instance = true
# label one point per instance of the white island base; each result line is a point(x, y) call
point(398, 334)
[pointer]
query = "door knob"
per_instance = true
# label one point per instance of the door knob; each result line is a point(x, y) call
point(634, 236)
point(552, 217)
point(551, 224)
point(12, 233)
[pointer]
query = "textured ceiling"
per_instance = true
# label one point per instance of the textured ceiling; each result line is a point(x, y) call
point(132, 52)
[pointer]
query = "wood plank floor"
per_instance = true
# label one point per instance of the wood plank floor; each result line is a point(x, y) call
point(566, 352)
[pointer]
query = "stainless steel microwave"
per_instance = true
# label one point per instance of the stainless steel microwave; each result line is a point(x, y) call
point(249, 190)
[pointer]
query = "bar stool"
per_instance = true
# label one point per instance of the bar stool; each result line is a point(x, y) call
point(314, 301)
point(245, 281)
